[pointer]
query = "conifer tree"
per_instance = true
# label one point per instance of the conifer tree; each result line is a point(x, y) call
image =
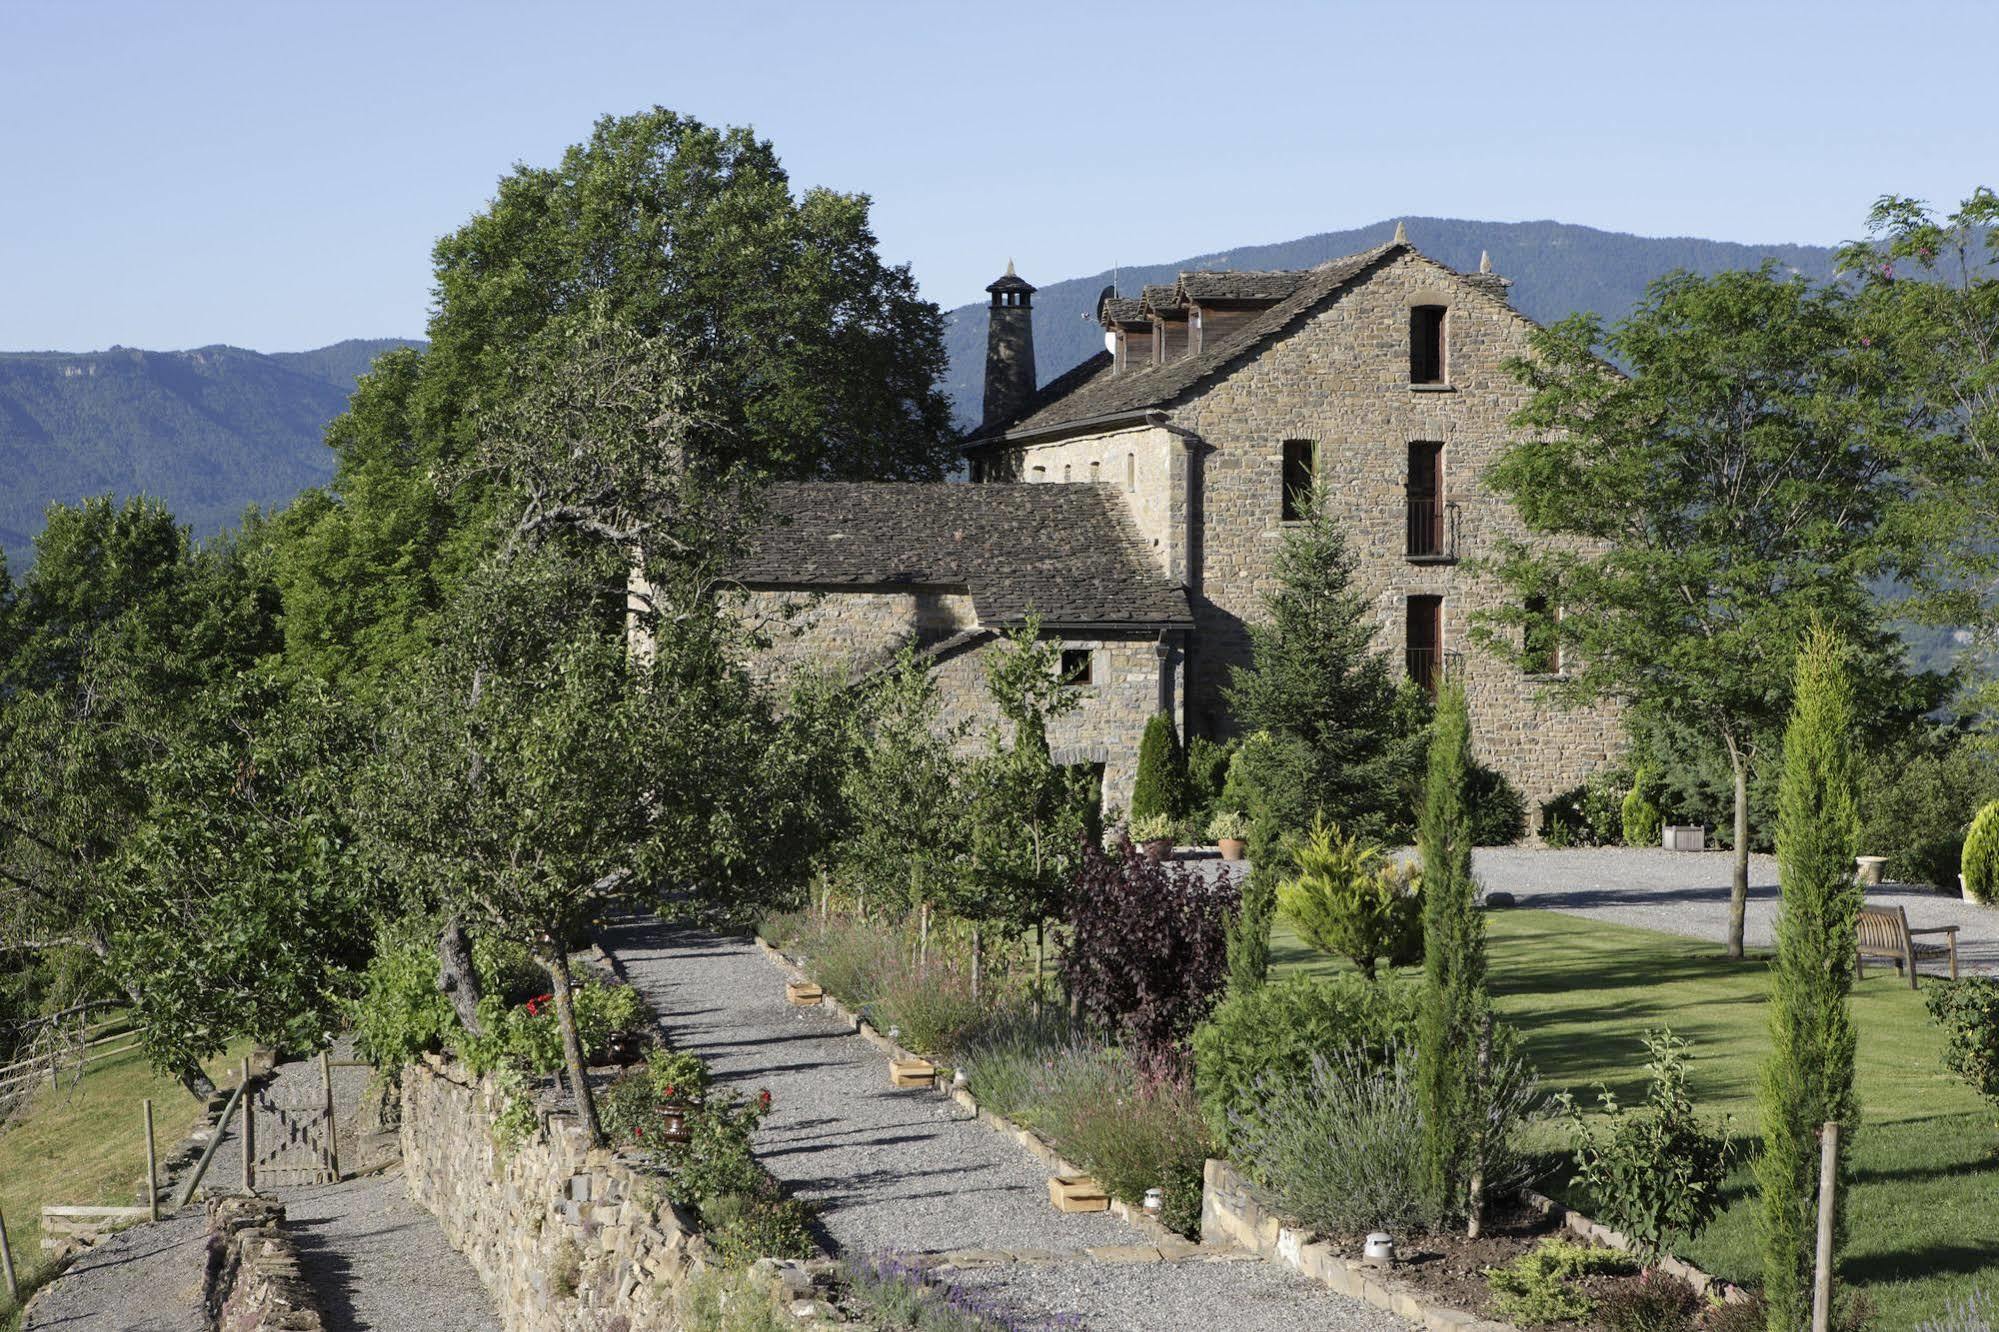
point(1454, 1041)
point(1808, 1078)
point(1249, 933)
point(1161, 785)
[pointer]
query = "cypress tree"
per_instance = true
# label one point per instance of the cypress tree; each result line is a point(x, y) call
point(1808, 1078)
point(1161, 786)
point(1454, 1039)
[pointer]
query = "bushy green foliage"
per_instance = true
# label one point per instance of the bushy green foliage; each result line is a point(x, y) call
point(1160, 789)
point(1918, 797)
point(1655, 1175)
point(1808, 1077)
point(400, 1013)
point(1590, 814)
point(1542, 1285)
point(1272, 1032)
point(1981, 856)
point(1346, 900)
point(1152, 828)
point(1006, 1061)
point(1339, 1149)
point(1968, 1011)
point(1497, 809)
point(721, 1299)
point(526, 1035)
point(1228, 826)
point(1130, 1128)
point(933, 1007)
point(1208, 764)
point(1644, 823)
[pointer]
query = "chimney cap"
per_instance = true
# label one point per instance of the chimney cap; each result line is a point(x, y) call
point(1011, 281)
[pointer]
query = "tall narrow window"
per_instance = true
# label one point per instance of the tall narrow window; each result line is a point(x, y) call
point(1095, 465)
point(1424, 641)
point(1426, 500)
point(1131, 471)
point(1540, 638)
point(1426, 344)
point(1065, 471)
point(1300, 468)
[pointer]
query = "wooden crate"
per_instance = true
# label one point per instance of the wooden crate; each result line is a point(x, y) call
point(912, 1073)
point(1077, 1193)
point(803, 993)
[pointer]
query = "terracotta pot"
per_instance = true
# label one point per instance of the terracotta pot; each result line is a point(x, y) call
point(1159, 849)
point(1232, 847)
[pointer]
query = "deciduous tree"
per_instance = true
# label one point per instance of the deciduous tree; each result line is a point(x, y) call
point(1751, 472)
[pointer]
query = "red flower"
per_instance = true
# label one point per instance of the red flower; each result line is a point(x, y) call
point(534, 1005)
point(670, 1092)
point(763, 1099)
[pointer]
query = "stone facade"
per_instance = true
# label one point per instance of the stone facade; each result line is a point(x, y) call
point(566, 1237)
point(848, 630)
point(1209, 487)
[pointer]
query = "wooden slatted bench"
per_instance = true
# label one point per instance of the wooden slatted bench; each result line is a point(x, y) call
point(1884, 934)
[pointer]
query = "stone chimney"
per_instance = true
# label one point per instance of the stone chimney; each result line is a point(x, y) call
point(1009, 346)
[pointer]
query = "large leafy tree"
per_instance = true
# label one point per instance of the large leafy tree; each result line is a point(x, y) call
point(534, 768)
point(1753, 470)
point(819, 360)
point(1928, 285)
point(127, 644)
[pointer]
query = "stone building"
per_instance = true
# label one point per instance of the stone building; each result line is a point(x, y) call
point(1136, 503)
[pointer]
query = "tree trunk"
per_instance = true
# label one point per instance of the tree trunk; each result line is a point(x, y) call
point(557, 963)
point(923, 939)
point(1738, 888)
point(457, 977)
point(1475, 1200)
point(976, 959)
point(1040, 951)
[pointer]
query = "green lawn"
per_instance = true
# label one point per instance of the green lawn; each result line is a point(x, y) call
point(85, 1146)
point(1924, 1206)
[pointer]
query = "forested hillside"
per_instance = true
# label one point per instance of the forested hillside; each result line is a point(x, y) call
point(1556, 268)
point(208, 431)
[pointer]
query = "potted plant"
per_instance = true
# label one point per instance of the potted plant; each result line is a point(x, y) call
point(1231, 833)
point(1154, 833)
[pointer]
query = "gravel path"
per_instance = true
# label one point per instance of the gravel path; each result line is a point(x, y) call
point(1175, 1297)
point(906, 1171)
point(146, 1279)
point(377, 1261)
point(887, 1169)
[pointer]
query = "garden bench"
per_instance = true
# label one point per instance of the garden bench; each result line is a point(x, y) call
point(1884, 933)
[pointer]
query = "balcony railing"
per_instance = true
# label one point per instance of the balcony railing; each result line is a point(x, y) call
point(1430, 666)
point(1433, 529)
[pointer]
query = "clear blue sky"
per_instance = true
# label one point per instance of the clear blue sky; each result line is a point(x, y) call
point(273, 174)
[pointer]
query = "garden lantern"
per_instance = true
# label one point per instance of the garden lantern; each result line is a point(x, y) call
point(1380, 1249)
point(1155, 1202)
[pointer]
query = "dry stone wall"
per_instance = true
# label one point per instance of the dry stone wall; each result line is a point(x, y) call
point(254, 1282)
point(565, 1236)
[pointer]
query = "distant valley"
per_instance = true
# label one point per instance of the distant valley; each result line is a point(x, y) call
point(213, 430)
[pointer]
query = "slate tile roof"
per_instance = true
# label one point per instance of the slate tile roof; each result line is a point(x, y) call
point(1162, 297)
point(1065, 551)
point(1246, 285)
point(1091, 391)
point(1124, 310)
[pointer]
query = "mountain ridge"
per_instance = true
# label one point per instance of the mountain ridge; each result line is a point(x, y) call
point(211, 430)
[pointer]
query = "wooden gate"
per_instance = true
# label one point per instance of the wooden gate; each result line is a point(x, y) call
point(292, 1144)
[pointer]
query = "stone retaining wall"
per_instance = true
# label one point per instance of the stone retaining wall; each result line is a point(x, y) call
point(253, 1280)
point(567, 1237)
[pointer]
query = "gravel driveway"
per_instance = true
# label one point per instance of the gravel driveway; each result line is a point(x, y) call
point(145, 1279)
point(906, 1171)
point(1684, 892)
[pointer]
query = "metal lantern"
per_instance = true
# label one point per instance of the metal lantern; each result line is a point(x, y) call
point(1155, 1202)
point(1379, 1249)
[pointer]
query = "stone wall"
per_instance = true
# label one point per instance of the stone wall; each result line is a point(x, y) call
point(848, 630)
point(1146, 465)
point(1342, 380)
point(565, 1236)
point(1105, 726)
point(253, 1281)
